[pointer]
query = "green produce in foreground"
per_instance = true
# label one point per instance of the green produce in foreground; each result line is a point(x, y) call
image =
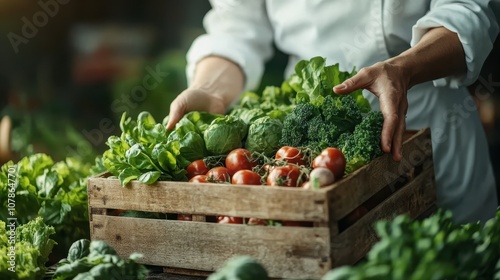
point(240, 268)
point(97, 260)
point(55, 191)
point(435, 248)
point(32, 249)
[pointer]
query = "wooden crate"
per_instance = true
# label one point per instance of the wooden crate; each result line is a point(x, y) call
point(385, 187)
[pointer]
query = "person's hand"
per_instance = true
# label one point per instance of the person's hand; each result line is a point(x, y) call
point(194, 100)
point(216, 84)
point(389, 82)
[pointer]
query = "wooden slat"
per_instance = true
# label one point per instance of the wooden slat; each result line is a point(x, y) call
point(285, 252)
point(414, 199)
point(210, 199)
point(187, 272)
point(355, 189)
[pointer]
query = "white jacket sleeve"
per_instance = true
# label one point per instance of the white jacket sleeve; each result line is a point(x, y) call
point(476, 26)
point(238, 30)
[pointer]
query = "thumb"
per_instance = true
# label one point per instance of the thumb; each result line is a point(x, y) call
point(359, 81)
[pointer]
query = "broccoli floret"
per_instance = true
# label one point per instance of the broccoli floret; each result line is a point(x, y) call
point(321, 134)
point(319, 126)
point(295, 126)
point(363, 144)
point(342, 111)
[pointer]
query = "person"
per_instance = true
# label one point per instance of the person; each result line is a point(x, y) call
point(415, 59)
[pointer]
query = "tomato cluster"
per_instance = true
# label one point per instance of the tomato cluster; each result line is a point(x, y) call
point(289, 168)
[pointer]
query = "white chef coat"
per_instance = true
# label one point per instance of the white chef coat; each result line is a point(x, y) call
point(359, 33)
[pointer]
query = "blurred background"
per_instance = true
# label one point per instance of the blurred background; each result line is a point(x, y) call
point(69, 69)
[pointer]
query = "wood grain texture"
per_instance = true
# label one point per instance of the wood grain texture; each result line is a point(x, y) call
point(285, 252)
point(263, 202)
point(358, 187)
point(414, 199)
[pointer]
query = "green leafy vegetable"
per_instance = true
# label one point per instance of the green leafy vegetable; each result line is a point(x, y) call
point(143, 153)
point(240, 268)
point(57, 192)
point(434, 248)
point(224, 135)
point(264, 136)
point(363, 144)
point(313, 81)
point(97, 260)
point(32, 248)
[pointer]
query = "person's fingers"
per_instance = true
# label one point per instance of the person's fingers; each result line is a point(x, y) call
point(400, 130)
point(389, 108)
point(398, 135)
point(359, 81)
point(177, 110)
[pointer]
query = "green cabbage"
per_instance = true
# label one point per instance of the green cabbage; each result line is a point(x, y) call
point(264, 136)
point(224, 135)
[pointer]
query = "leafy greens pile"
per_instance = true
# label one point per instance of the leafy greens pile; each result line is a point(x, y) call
point(147, 152)
point(304, 112)
point(57, 192)
point(435, 248)
point(97, 260)
point(32, 248)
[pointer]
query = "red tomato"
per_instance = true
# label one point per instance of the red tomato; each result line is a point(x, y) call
point(184, 217)
point(239, 159)
point(199, 179)
point(290, 155)
point(219, 173)
point(268, 167)
point(246, 177)
point(196, 167)
point(287, 176)
point(116, 212)
point(256, 222)
point(229, 220)
point(333, 159)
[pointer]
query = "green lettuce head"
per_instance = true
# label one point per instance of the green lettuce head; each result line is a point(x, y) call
point(264, 135)
point(224, 135)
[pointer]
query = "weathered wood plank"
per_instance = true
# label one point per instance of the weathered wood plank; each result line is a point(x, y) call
point(210, 199)
point(415, 199)
point(355, 189)
point(285, 252)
